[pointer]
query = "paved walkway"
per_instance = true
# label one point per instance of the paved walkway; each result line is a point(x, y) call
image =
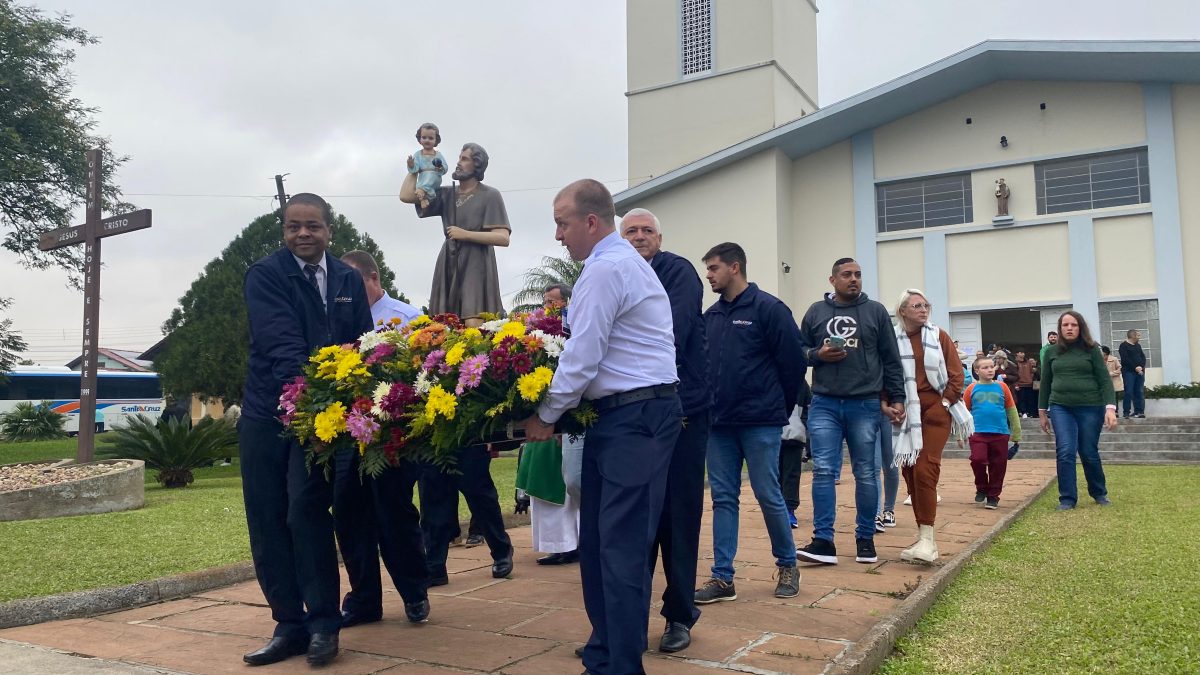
point(531, 623)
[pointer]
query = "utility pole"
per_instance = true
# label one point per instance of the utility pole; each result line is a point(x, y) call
point(280, 194)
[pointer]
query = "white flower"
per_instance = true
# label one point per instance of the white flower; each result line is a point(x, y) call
point(423, 384)
point(380, 392)
point(369, 341)
point(553, 344)
point(493, 325)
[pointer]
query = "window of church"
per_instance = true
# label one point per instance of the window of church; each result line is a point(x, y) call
point(930, 202)
point(1093, 182)
point(1118, 318)
point(695, 35)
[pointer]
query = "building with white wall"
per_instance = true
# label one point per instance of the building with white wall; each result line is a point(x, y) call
point(1098, 142)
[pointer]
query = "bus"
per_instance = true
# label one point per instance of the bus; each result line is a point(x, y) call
point(119, 394)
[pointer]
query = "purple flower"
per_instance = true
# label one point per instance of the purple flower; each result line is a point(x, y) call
point(433, 359)
point(287, 400)
point(381, 352)
point(361, 427)
point(470, 373)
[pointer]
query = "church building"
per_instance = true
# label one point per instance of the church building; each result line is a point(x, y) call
point(1097, 145)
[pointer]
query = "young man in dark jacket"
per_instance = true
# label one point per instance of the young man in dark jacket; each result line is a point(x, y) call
point(679, 527)
point(1133, 374)
point(755, 368)
point(297, 299)
point(849, 340)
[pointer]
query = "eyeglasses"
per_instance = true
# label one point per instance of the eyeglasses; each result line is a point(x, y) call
point(920, 307)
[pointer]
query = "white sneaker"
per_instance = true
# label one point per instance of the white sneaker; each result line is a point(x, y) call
point(908, 500)
point(939, 498)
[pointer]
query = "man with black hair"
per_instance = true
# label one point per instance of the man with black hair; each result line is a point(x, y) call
point(297, 300)
point(849, 340)
point(755, 368)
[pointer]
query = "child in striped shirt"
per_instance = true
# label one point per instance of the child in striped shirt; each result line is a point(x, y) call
point(996, 421)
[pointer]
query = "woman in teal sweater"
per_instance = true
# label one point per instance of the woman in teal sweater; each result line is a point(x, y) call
point(1077, 399)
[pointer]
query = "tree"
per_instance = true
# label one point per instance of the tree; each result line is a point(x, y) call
point(44, 135)
point(207, 336)
point(11, 342)
point(552, 270)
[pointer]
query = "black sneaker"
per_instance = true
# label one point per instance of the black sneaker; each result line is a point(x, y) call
point(865, 551)
point(980, 496)
point(879, 523)
point(788, 585)
point(889, 518)
point(715, 590)
point(991, 503)
point(818, 551)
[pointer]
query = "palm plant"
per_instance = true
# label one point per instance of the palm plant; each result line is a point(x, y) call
point(552, 270)
point(170, 447)
point(29, 422)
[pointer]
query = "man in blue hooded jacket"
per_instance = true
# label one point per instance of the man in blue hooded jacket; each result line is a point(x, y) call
point(297, 300)
point(755, 368)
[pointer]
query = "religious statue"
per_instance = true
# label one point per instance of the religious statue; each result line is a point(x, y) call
point(1001, 197)
point(474, 220)
point(427, 163)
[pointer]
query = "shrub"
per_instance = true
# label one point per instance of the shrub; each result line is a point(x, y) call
point(29, 422)
point(171, 447)
point(1174, 391)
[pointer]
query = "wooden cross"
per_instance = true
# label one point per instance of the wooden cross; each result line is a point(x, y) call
point(89, 234)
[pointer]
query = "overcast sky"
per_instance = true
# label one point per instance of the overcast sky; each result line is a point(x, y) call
point(211, 99)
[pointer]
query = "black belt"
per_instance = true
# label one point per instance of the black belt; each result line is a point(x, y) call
point(633, 396)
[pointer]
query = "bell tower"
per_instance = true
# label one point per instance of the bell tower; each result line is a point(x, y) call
point(706, 74)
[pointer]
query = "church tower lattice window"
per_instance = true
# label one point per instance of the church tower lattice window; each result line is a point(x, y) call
point(695, 36)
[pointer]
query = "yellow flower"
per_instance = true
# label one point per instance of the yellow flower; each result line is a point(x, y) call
point(350, 363)
point(420, 321)
point(455, 354)
point(531, 385)
point(513, 328)
point(330, 422)
point(415, 337)
point(440, 402)
point(472, 334)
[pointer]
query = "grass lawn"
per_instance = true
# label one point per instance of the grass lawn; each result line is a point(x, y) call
point(178, 530)
point(1105, 590)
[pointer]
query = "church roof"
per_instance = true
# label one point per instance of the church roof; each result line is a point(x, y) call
point(984, 63)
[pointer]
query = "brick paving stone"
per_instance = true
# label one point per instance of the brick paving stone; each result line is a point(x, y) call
point(439, 645)
point(532, 622)
point(157, 610)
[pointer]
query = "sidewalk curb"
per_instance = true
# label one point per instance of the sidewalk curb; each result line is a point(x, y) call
point(867, 654)
point(27, 611)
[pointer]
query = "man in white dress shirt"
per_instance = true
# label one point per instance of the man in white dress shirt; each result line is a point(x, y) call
point(384, 307)
point(621, 357)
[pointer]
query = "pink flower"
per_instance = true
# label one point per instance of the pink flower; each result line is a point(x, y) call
point(287, 400)
point(361, 427)
point(433, 359)
point(470, 373)
point(399, 397)
point(381, 352)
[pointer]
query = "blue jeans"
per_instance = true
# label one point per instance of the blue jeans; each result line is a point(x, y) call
point(1077, 431)
point(728, 446)
point(883, 460)
point(1135, 393)
point(855, 421)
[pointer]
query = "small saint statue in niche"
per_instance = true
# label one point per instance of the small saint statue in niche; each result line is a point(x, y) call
point(1001, 197)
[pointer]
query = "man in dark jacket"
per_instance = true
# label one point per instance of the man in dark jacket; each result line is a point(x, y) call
point(1133, 373)
point(297, 299)
point(679, 527)
point(849, 340)
point(755, 368)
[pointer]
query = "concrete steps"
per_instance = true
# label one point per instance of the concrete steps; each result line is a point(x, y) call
point(1162, 440)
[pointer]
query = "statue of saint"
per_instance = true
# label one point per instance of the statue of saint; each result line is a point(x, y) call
point(465, 281)
point(1001, 197)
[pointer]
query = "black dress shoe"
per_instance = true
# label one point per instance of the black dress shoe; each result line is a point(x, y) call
point(676, 637)
point(322, 648)
point(417, 612)
point(351, 619)
point(504, 566)
point(438, 579)
point(275, 651)
point(564, 558)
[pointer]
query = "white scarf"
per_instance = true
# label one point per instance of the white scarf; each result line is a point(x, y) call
point(906, 438)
